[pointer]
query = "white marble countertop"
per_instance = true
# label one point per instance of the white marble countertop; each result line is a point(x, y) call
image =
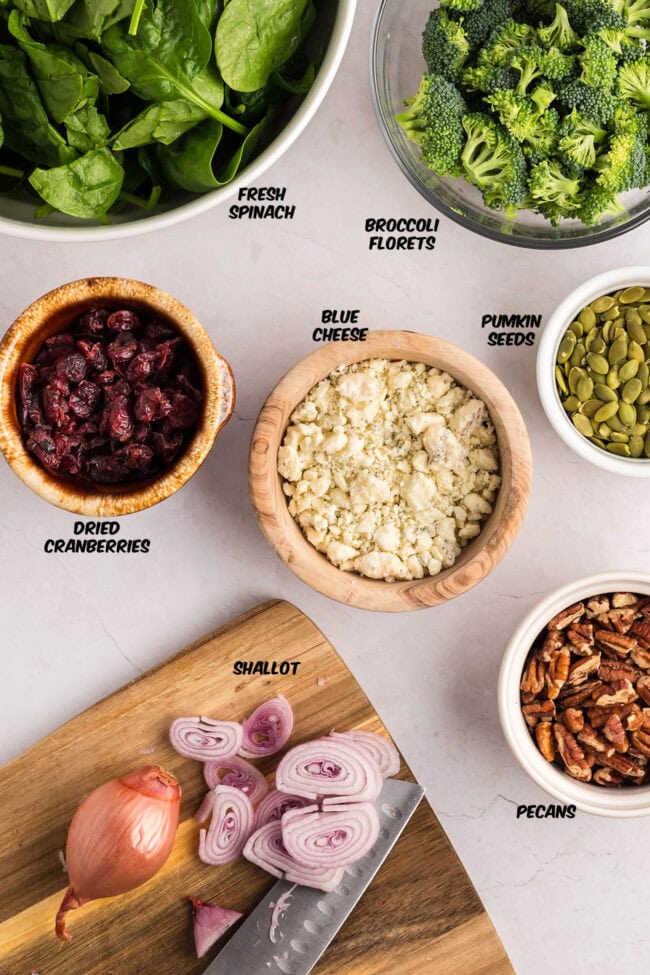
point(568, 894)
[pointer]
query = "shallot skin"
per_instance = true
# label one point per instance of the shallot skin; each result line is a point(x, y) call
point(119, 838)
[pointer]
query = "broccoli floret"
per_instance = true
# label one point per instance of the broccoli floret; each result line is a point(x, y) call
point(462, 4)
point(637, 15)
point(540, 9)
point(556, 193)
point(529, 62)
point(488, 78)
point(595, 104)
point(598, 203)
point(625, 48)
point(580, 140)
point(494, 162)
point(505, 41)
point(589, 16)
point(634, 82)
point(559, 33)
point(598, 62)
point(623, 166)
point(520, 116)
point(444, 45)
point(557, 65)
point(433, 120)
point(543, 96)
point(479, 24)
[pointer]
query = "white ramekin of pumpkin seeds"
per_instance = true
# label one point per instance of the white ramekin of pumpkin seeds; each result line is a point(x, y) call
point(593, 371)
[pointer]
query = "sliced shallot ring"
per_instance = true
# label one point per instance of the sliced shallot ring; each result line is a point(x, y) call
point(230, 827)
point(338, 837)
point(380, 749)
point(275, 805)
point(203, 738)
point(266, 849)
point(329, 767)
point(267, 729)
point(237, 773)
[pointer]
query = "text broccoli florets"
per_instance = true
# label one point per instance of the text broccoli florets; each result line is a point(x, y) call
point(444, 45)
point(559, 33)
point(494, 162)
point(433, 120)
point(634, 82)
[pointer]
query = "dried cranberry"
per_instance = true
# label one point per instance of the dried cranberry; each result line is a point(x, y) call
point(184, 412)
point(142, 366)
point(148, 405)
point(42, 444)
point(119, 388)
point(29, 399)
point(72, 367)
point(54, 347)
point(117, 421)
point(93, 353)
point(55, 402)
point(84, 399)
point(167, 444)
point(94, 321)
point(123, 321)
point(138, 457)
point(107, 378)
point(122, 349)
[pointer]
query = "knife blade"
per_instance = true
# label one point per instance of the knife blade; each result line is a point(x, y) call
point(310, 919)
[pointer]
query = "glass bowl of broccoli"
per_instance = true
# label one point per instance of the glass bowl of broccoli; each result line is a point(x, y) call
point(525, 121)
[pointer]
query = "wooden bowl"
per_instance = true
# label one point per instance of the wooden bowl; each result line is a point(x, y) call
point(476, 560)
point(53, 313)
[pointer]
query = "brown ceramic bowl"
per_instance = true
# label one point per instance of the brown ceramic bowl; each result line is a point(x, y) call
point(53, 313)
point(476, 560)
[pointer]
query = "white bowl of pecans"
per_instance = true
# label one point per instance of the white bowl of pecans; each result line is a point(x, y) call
point(574, 694)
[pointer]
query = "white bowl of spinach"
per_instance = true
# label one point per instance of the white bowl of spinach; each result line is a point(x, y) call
point(118, 116)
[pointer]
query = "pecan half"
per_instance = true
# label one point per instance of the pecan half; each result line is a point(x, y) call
point(583, 695)
point(619, 643)
point(533, 680)
point(599, 716)
point(558, 671)
point(643, 688)
point(572, 754)
point(641, 632)
point(624, 765)
point(573, 719)
point(641, 658)
point(552, 642)
point(544, 739)
point(610, 670)
point(618, 692)
point(622, 619)
point(566, 617)
point(623, 599)
point(597, 606)
point(582, 669)
point(581, 638)
point(538, 711)
point(590, 737)
point(615, 732)
point(607, 777)
point(641, 741)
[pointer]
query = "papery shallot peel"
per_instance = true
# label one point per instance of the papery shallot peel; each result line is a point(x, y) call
point(376, 747)
point(230, 827)
point(329, 767)
point(268, 728)
point(266, 849)
point(336, 837)
point(239, 774)
point(205, 739)
point(119, 837)
point(210, 923)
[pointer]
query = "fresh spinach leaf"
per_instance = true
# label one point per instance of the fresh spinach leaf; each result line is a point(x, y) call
point(87, 187)
point(28, 130)
point(254, 37)
point(188, 161)
point(51, 10)
point(169, 57)
point(62, 78)
point(110, 79)
point(87, 129)
point(162, 122)
point(90, 18)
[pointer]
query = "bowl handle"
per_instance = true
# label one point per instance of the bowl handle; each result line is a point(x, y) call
point(226, 391)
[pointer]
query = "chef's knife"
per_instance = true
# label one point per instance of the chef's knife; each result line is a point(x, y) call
point(309, 919)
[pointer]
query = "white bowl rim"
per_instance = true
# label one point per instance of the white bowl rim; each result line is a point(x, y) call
point(597, 800)
point(554, 329)
point(283, 141)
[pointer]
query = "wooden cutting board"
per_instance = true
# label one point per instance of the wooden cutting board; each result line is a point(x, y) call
point(420, 915)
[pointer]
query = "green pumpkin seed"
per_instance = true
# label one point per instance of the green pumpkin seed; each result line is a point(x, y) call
point(627, 414)
point(632, 295)
point(572, 404)
point(643, 398)
point(582, 425)
point(575, 375)
point(567, 345)
point(577, 357)
point(628, 370)
point(605, 411)
point(639, 429)
point(643, 374)
point(585, 389)
point(636, 332)
point(617, 350)
point(646, 445)
point(601, 305)
point(590, 407)
point(631, 391)
point(636, 446)
point(611, 314)
point(578, 330)
point(612, 378)
point(604, 393)
point(616, 437)
point(616, 425)
point(587, 318)
point(605, 431)
point(561, 381)
point(598, 345)
point(599, 443)
point(621, 449)
point(598, 363)
point(644, 313)
point(635, 351)
point(642, 412)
